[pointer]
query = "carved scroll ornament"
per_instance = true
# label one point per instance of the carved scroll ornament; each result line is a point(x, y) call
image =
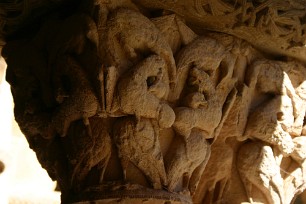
point(120, 105)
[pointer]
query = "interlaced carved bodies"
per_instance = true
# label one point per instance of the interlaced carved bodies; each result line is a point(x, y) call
point(124, 103)
point(141, 91)
point(212, 78)
point(131, 37)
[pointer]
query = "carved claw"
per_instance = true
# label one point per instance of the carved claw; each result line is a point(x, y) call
point(196, 100)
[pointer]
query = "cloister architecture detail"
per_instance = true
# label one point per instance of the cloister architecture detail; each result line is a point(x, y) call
point(155, 101)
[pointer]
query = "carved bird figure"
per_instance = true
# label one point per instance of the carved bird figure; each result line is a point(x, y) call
point(81, 102)
point(85, 152)
point(137, 142)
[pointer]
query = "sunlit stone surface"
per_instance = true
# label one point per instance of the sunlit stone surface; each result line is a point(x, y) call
point(153, 101)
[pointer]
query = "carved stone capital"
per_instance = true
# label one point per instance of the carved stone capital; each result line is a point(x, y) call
point(142, 101)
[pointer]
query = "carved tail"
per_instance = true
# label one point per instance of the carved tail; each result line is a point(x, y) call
point(177, 166)
point(174, 173)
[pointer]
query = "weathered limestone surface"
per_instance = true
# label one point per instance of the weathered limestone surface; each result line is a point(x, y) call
point(164, 101)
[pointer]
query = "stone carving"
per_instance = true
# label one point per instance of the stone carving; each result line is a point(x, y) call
point(31, 78)
point(143, 102)
point(130, 36)
point(278, 27)
point(211, 88)
point(79, 102)
point(137, 142)
point(188, 161)
point(85, 152)
point(259, 171)
point(174, 30)
point(207, 96)
point(15, 15)
point(295, 181)
point(276, 122)
point(150, 81)
point(263, 175)
point(215, 180)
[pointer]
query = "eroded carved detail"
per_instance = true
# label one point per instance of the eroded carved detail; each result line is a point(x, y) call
point(118, 101)
point(137, 142)
point(277, 26)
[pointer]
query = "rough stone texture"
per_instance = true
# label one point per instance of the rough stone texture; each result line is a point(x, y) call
point(143, 103)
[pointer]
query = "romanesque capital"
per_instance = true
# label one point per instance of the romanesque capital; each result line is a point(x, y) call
point(163, 101)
